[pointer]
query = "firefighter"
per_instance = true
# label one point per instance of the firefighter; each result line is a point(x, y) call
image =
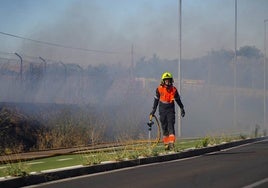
point(165, 96)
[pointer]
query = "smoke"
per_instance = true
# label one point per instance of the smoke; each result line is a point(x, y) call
point(93, 25)
point(152, 26)
point(125, 95)
point(101, 75)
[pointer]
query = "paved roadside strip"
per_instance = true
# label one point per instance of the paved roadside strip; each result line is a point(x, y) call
point(84, 170)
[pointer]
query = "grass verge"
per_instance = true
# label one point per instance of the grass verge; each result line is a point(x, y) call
point(23, 168)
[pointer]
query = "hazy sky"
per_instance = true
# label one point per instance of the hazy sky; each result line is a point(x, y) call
point(114, 25)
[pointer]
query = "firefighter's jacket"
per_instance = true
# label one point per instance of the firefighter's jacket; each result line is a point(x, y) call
point(165, 97)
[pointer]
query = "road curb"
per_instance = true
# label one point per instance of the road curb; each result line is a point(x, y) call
point(85, 170)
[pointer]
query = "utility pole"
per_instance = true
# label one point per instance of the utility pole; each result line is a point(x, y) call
point(179, 66)
point(264, 82)
point(45, 64)
point(132, 64)
point(21, 67)
point(235, 71)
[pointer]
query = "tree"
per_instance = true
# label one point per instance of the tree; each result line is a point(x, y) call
point(249, 52)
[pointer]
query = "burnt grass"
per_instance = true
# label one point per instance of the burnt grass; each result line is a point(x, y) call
point(22, 123)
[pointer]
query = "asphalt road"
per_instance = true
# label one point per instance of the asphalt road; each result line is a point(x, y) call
point(242, 166)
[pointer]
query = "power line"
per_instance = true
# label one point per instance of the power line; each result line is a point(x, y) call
point(61, 46)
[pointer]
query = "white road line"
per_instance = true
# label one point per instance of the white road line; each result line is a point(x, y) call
point(257, 183)
point(37, 162)
point(60, 169)
point(65, 159)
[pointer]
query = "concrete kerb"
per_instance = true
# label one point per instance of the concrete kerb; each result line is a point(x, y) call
point(78, 171)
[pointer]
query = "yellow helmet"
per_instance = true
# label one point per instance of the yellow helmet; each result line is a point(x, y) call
point(167, 75)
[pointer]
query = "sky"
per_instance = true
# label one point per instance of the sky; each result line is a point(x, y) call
point(108, 29)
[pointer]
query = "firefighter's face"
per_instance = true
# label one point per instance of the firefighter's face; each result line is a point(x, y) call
point(168, 82)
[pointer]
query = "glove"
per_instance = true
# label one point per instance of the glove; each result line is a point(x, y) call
point(182, 112)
